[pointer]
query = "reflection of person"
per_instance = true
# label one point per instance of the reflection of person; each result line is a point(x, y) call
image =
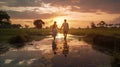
point(54, 30)
point(65, 27)
point(54, 47)
point(65, 49)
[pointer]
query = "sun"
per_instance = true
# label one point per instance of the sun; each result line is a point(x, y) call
point(59, 20)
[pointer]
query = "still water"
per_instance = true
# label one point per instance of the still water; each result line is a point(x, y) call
point(73, 52)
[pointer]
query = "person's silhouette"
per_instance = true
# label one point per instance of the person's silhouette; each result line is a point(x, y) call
point(65, 48)
point(54, 30)
point(65, 27)
point(54, 47)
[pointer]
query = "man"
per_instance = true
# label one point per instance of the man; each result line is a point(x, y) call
point(65, 27)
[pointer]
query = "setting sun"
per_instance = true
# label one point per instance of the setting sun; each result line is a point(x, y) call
point(59, 20)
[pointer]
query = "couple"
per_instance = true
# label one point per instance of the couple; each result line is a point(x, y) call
point(64, 27)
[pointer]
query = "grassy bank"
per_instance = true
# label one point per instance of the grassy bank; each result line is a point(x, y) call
point(34, 34)
point(37, 34)
point(112, 32)
point(106, 40)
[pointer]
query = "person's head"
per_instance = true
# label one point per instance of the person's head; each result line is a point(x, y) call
point(65, 20)
point(55, 22)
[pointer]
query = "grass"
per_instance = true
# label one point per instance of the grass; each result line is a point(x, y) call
point(34, 34)
point(37, 34)
point(112, 32)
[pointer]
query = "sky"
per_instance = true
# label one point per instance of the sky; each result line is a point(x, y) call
point(79, 13)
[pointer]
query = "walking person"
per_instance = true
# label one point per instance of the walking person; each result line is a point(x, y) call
point(54, 30)
point(65, 28)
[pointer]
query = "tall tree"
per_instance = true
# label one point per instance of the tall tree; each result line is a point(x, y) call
point(38, 23)
point(93, 25)
point(4, 16)
point(4, 20)
point(102, 24)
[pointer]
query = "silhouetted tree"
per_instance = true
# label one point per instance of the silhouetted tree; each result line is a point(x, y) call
point(4, 16)
point(101, 24)
point(16, 26)
point(26, 26)
point(93, 25)
point(38, 23)
point(4, 20)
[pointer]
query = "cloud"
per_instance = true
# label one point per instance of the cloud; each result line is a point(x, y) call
point(108, 6)
point(80, 11)
point(84, 6)
point(31, 15)
point(117, 20)
point(23, 3)
point(2, 3)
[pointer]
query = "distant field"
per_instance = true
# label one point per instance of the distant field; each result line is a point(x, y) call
point(6, 34)
point(37, 34)
point(113, 32)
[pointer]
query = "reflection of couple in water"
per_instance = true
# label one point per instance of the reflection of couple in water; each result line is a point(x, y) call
point(65, 49)
point(64, 27)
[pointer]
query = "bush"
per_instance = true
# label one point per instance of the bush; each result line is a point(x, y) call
point(19, 40)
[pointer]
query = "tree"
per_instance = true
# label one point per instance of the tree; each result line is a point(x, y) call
point(16, 26)
point(26, 26)
point(38, 23)
point(101, 24)
point(4, 20)
point(4, 16)
point(93, 25)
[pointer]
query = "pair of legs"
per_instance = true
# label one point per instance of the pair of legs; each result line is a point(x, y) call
point(65, 34)
point(54, 33)
point(54, 37)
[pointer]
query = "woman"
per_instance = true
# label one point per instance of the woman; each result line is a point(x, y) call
point(54, 30)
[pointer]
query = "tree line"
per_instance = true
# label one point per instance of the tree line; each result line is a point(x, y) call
point(6, 23)
point(103, 24)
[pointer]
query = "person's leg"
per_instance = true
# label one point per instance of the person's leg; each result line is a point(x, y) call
point(54, 38)
point(65, 35)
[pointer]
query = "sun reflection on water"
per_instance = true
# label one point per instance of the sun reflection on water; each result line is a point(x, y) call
point(60, 36)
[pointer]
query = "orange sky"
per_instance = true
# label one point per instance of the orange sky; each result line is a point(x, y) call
point(78, 13)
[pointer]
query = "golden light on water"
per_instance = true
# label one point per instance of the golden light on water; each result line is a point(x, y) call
point(60, 36)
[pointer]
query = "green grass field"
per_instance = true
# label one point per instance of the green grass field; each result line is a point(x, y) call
point(112, 32)
point(37, 34)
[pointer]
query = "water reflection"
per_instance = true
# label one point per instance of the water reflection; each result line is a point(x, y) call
point(3, 49)
point(65, 48)
point(54, 47)
point(53, 53)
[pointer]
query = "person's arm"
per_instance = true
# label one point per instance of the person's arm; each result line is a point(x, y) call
point(57, 27)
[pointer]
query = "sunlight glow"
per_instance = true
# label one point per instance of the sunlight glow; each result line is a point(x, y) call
point(59, 20)
point(60, 36)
